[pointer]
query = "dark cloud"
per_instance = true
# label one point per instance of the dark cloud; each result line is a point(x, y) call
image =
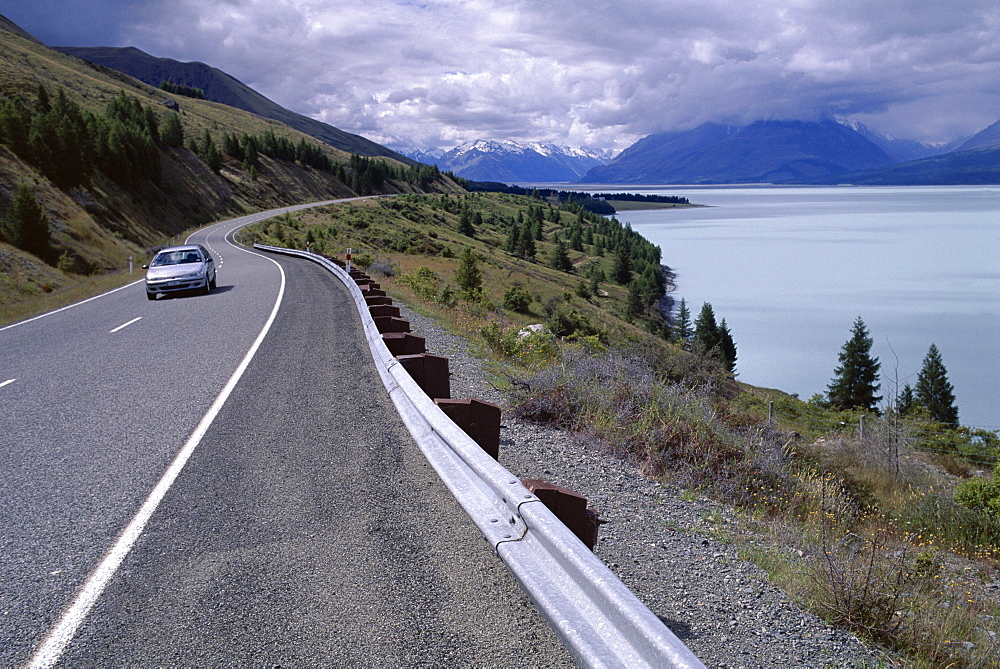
point(579, 72)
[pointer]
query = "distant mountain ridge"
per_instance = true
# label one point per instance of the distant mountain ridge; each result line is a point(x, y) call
point(762, 152)
point(225, 89)
point(509, 161)
point(985, 139)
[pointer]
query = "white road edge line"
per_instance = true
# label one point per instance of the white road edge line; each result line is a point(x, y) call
point(70, 306)
point(52, 648)
point(7, 382)
point(125, 325)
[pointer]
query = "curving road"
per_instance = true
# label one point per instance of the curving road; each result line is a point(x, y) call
point(298, 523)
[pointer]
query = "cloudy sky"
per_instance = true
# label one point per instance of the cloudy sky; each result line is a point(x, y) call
point(597, 73)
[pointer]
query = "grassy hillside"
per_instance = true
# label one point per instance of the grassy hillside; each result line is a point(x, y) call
point(223, 88)
point(95, 222)
point(881, 523)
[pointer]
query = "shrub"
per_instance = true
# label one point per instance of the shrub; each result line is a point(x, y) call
point(980, 494)
point(517, 298)
point(448, 297)
point(423, 281)
point(384, 267)
point(618, 397)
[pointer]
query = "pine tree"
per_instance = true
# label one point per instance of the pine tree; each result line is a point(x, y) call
point(469, 276)
point(560, 258)
point(465, 223)
point(209, 152)
point(906, 401)
point(683, 330)
point(27, 224)
point(933, 390)
point(728, 346)
point(526, 245)
point(634, 306)
point(622, 272)
point(513, 239)
point(854, 384)
point(173, 132)
point(706, 330)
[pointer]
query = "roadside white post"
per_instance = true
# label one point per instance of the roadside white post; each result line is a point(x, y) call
point(130, 265)
point(348, 256)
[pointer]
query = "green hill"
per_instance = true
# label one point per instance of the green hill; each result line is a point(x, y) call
point(86, 142)
point(223, 88)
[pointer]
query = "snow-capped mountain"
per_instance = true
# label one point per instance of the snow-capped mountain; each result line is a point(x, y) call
point(421, 155)
point(509, 161)
point(899, 150)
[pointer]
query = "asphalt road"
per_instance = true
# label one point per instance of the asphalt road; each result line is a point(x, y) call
point(305, 529)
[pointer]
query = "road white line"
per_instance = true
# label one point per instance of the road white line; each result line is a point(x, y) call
point(58, 638)
point(70, 306)
point(7, 382)
point(125, 325)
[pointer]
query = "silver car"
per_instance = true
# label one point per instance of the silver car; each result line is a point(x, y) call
point(180, 268)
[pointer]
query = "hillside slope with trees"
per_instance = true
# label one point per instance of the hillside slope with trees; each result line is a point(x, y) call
point(116, 168)
point(218, 86)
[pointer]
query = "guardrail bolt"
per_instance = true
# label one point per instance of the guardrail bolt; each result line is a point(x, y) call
point(480, 420)
point(568, 506)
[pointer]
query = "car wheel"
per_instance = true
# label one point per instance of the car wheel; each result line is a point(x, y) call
point(208, 285)
point(150, 296)
point(214, 284)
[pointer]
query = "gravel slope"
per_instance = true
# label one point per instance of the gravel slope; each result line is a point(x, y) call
point(659, 544)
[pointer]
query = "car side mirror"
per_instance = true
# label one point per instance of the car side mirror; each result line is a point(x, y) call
point(145, 266)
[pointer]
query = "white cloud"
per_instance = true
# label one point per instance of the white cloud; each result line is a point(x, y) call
point(595, 72)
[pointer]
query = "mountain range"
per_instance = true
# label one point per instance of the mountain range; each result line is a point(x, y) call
point(772, 151)
point(510, 161)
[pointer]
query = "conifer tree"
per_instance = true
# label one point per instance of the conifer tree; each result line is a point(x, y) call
point(854, 384)
point(634, 306)
point(622, 273)
point(27, 225)
point(728, 346)
point(560, 258)
point(905, 401)
point(706, 330)
point(933, 390)
point(172, 133)
point(683, 330)
point(513, 239)
point(465, 223)
point(469, 276)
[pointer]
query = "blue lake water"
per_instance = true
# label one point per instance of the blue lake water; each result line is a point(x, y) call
point(791, 268)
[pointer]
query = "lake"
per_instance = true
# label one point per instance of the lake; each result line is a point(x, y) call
point(791, 268)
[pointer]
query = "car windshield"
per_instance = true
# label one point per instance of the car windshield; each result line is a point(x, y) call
point(174, 258)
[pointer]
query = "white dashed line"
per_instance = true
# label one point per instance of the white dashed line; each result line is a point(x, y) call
point(7, 382)
point(125, 325)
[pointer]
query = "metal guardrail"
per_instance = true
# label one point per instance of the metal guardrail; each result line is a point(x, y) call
point(600, 621)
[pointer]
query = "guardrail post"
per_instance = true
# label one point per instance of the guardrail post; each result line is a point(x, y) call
point(372, 300)
point(381, 310)
point(391, 324)
point(480, 420)
point(568, 506)
point(404, 343)
point(430, 372)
